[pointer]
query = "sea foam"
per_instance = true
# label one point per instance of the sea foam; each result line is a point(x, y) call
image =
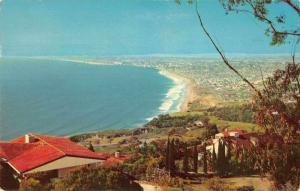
point(174, 96)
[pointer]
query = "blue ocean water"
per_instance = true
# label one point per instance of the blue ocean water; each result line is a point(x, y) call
point(62, 98)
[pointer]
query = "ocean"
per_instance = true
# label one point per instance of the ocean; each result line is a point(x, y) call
point(64, 98)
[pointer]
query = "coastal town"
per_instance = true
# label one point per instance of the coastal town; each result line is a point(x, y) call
point(149, 95)
point(202, 144)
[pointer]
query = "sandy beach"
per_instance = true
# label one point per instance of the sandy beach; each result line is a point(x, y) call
point(190, 88)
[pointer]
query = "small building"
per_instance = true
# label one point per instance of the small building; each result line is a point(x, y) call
point(233, 134)
point(33, 153)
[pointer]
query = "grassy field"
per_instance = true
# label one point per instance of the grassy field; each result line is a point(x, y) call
point(222, 124)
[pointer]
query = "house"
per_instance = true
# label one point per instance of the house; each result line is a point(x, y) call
point(34, 153)
point(239, 139)
point(233, 134)
point(117, 159)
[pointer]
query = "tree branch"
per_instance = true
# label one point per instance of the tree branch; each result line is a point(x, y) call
point(268, 21)
point(222, 55)
point(292, 5)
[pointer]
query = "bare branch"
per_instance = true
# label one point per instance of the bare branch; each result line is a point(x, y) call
point(263, 80)
point(269, 21)
point(222, 55)
point(292, 5)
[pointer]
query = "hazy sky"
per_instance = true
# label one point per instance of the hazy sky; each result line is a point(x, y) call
point(128, 27)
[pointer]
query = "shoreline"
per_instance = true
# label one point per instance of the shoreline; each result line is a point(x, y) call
point(189, 94)
point(184, 90)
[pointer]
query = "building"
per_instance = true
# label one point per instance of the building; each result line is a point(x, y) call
point(34, 153)
point(233, 134)
point(239, 139)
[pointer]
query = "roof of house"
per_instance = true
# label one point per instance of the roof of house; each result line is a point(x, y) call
point(111, 161)
point(42, 150)
point(227, 133)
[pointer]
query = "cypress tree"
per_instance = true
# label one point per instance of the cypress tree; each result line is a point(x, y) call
point(214, 159)
point(228, 158)
point(205, 160)
point(167, 155)
point(221, 158)
point(91, 148)
point(171, 157)
point(185, 159)
point(195, 157)
point(218, 166)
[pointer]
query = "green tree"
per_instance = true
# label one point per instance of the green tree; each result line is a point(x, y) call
point(168, 155)
point(185, 159)
point(195, 159)
point(91, 147)
point(205, 159)
point(221, 158)
point(278, 111)
point(30, 185)
point(172, 166)
point(214, 159)
point(95, 179)
point(228, 159)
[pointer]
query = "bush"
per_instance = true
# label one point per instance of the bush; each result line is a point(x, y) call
point(95, 179)
point(166, 121)
point(245, 188)
point(240, 113)
point(30, 185)
point(217, 184)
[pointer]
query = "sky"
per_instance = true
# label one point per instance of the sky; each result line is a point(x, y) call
point(129, 27)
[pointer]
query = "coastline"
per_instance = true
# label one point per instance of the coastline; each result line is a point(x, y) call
point(183, 92)
point(190, 90)
point(181, 84)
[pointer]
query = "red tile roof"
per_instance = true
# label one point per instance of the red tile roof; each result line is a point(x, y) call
point(44, 149)
point(227, 133)
point(111, 161)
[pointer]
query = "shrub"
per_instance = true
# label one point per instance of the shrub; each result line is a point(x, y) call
point(30, 184)
point(245, 188)
point(95, 179)
point(217, 184)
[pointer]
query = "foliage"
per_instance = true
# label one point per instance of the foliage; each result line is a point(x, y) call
point(242, 162)
point(95, 179)
point(239, 113)
point(221, 159)
point(185, 160)
point(195, 159)
point(210, 130)
point(276, 24)
point(278, 111)
point(166, 121)
point(279, 108)
point(171, 165)
point(217, 184)
point(166, 182)
point(30, 184)
point(282, 162)
point(214, 159)
point(245, 188)
point(144, 160)
point(205, 160)
point(91, 147)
